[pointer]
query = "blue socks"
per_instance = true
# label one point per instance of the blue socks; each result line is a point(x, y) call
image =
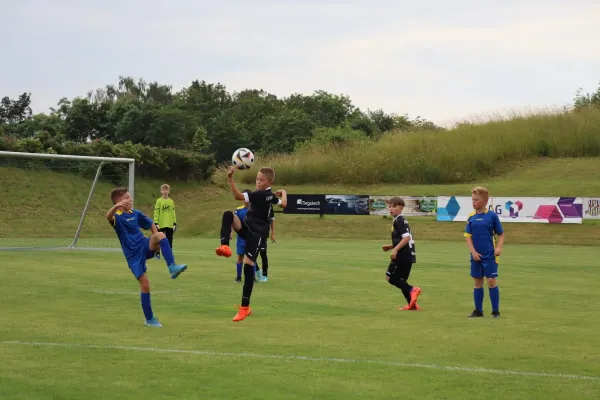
point(478, 297)
point(495, 298)
point(238, 267)
point(146, 307)
point(166, 251)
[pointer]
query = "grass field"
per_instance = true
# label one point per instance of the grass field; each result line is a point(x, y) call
point(324, 327)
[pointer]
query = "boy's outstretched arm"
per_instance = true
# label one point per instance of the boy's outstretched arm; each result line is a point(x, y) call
point(283, 194)
point(111, 213)
point(234, 190)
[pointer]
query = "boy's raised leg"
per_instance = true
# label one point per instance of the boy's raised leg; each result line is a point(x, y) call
point(226, 223)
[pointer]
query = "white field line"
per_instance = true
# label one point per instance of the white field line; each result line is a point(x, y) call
point(447, 368)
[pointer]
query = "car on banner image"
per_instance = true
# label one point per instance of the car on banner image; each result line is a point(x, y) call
point(361, 205)
point(336, 205)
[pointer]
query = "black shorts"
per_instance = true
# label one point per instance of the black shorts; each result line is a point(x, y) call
point(399, 270)
point(263, 243)
point(253, 242)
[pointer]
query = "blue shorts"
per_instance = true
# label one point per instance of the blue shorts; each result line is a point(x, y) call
point(137, 262)
point(487, 268)
point(241, 249)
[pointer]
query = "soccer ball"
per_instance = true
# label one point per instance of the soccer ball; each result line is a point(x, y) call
point(242, 158)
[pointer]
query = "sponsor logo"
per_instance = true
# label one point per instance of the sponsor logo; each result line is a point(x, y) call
point(301, 202)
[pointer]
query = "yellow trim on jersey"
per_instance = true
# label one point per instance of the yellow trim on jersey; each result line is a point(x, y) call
point(468, 235)
point(240, 207)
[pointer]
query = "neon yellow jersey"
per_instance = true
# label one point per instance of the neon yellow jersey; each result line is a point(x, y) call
point(164, 213)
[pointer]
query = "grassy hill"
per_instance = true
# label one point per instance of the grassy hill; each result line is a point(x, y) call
point(48, 204)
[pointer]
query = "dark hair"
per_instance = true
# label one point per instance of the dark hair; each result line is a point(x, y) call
point(116, 194)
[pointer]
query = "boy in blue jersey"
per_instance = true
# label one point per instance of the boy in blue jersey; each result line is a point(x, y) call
point(137, 248)
point(482, 228)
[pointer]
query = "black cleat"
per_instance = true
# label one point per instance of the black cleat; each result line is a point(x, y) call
point(495, 314)
point(476, 313)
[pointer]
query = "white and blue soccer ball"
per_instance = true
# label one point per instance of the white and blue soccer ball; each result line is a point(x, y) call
point(242, 158)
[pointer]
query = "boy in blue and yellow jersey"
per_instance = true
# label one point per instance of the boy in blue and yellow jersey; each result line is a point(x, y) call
point(482, 228)
point(137, 248)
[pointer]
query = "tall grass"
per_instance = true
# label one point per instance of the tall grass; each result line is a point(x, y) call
point(462, 154)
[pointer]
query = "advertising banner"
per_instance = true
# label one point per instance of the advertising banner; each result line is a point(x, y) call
point(591, 208)
point(549, 210)
point(347, 204)
point(306, 204)
point(413, 206)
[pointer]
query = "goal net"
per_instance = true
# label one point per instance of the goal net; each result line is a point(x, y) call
point(59, 201)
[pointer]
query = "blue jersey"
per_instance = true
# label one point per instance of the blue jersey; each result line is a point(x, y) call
point(482, 229)
point(241, 213)
point(127, 226)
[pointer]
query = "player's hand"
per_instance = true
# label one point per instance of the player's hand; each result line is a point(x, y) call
point(272, 238)
point(476, 256)
point(387, 247)
point(126, 204)
point(498, 251)
point(279, 193)
point(393, 254)
point(174, 227)
point(230, 171)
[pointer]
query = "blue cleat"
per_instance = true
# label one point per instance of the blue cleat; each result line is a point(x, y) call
point(175, 270)
point(258, 276)
point(153, 323)
point(157, 256)
point(264, 279)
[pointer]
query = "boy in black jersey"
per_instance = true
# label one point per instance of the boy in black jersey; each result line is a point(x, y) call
point(403, 255)
point(253, 229)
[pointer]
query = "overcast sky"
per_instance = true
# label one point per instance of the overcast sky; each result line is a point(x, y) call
point(442, 60)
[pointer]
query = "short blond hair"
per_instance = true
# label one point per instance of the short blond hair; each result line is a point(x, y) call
point(480, 191)
point(165, 186)
point(269, 173)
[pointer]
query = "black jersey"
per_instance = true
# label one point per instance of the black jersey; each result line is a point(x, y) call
point(260, 211)
point(400, 230)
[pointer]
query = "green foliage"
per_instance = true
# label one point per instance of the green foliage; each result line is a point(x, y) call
point(463, 154)
point(203, 117)
point(583, 101)
point(164, 163)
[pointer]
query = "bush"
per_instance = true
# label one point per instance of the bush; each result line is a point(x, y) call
point(151, 162)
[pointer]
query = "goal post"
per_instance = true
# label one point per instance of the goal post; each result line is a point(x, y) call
point(59, 201)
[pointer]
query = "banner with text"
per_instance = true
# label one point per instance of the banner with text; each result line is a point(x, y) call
point(591, 208)
point(306, 204)
point(413, 206)
point(548, 210)
point(327, 204)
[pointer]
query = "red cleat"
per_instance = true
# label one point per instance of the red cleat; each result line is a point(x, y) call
point(242, 313)
point(414, 295)
point(405, 308)
point(223, 251)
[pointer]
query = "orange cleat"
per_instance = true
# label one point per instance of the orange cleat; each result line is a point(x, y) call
point(405, 308)
point(416, 307)
point(242, 313)
point(223, 251)
point(414, 295)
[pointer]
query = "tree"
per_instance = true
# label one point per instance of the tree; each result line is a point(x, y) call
point(15, 111)
point(282, 132)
